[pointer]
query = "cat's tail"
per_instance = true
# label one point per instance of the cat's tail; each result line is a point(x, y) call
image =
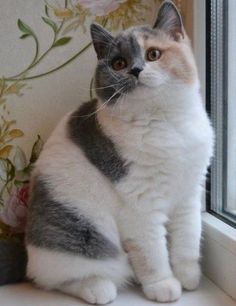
point(13, 259)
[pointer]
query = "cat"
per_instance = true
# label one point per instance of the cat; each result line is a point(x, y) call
point(116, 191)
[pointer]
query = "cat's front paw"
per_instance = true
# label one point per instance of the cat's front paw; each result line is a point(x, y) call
point(189, 274)
point(166, 290)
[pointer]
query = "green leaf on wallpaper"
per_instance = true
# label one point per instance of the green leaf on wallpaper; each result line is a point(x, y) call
point(24, 28)
point(5, 151)
point(62, 41)
point(19, 184)
point(16, 133)
point(3, 169)
point(51, 23)
point(24, 36)
point(37, 148)
point(19, 159)
point(46, 10)
point(7, 170)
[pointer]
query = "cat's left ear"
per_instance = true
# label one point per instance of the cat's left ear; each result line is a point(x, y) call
point(169, 20)
point(101, 39)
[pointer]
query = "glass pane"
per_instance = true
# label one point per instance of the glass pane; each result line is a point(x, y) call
point(222, 88)
point(217, 107)
point(230, 204)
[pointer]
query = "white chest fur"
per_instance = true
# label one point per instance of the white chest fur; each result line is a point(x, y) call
point(168, 153)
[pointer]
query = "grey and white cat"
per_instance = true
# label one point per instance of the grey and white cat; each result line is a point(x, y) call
point(116, 192)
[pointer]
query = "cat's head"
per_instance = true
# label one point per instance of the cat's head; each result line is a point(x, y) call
point(143, 57)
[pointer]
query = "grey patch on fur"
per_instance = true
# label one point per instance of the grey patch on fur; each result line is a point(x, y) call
point(86, 132)
point(13, 259)
point(52, 225)
point(111, 84)
point(101, 39)
point(147, 31)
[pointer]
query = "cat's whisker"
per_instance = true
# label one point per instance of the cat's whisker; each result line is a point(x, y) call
point(112, 85)
point(85, 89)
point(122, 101)
point(103, 105)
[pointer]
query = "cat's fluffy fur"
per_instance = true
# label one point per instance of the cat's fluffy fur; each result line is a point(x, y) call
point(148, 216)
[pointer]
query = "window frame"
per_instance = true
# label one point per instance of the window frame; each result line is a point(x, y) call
point(218, 238)
point(217, 91)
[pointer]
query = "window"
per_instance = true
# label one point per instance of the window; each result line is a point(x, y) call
point(218, 77)
point(221, 104)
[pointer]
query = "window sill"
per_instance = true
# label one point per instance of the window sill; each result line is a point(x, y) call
point(219, 253)
point(27, 295)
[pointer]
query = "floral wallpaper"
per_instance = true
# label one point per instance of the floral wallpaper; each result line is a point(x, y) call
point(66, 20)
point(58, 67)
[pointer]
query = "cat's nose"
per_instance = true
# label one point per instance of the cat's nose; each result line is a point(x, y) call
point(135, 71)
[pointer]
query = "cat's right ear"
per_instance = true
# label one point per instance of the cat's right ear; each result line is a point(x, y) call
point(101, 39)
point(169, 20)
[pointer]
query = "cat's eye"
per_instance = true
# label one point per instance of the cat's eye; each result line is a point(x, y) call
point(119, 63)
point(153, 54)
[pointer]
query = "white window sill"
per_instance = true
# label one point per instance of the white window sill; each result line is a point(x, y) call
point(27, 295)
point(219, 253)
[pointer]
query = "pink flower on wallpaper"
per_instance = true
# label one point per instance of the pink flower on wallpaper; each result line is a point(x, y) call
point(15, 209)
point(23, 194)
point(101, 7)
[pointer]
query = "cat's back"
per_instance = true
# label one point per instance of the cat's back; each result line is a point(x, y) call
point(63, 146)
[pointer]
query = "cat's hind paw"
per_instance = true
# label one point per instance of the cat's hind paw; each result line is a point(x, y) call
point(166, 290)
point(98, 291)
point(188, 274)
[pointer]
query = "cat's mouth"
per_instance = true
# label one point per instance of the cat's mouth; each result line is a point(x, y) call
point(130, 85)
point(140, 84)
point(150, 82)
point(127, 87)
